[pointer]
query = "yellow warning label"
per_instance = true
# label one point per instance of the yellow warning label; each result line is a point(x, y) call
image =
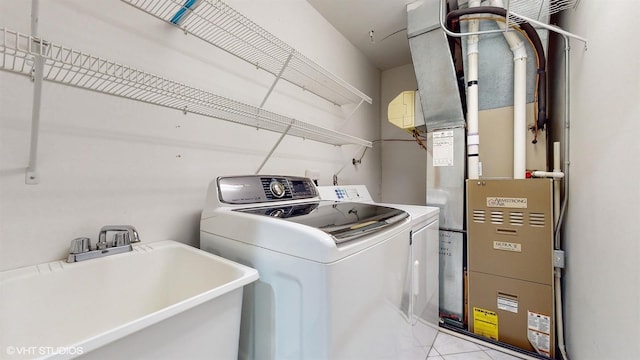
point(485, 323)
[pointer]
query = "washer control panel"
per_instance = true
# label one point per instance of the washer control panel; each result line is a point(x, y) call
point(263, 188)
point(358, 193)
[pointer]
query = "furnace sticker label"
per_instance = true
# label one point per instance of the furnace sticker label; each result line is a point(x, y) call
point(539, 332)
point(539, 322)
point(485, 323)
point(506, 202)
point(540, 342)
point(508, 304)
point(443, 148)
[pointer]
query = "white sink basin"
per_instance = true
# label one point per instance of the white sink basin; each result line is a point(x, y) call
point(162, 300)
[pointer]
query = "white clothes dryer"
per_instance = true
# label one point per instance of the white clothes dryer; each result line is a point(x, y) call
point(335, 277)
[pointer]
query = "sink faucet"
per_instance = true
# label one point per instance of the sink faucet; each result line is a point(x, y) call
point(123, 237)
point(125, 234)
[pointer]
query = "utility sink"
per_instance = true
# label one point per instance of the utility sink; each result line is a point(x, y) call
point(162, 300)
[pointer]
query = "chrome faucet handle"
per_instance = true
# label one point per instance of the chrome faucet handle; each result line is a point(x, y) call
point(80, 245)
point(121, 238)
point(132, 235)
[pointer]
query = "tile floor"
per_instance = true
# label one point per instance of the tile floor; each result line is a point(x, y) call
point(449, 347)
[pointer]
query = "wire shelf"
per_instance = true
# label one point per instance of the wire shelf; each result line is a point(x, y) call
point(75, 68)
point(537, 9)
point(220, 25)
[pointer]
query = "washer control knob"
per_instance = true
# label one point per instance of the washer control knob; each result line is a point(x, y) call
point(277, 213)
point(277, 188)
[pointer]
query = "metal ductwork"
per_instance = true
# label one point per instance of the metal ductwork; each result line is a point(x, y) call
point(435, 73)
point(445, 126)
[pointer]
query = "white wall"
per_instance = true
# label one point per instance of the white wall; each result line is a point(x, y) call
point(601, 235)
point(108, 160)
point(404, 163)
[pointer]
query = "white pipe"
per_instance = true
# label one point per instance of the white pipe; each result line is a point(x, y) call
point(550, 174)
point(519, 117)
point(556, 185)
point(473, 138)
point(519, 98)
point(556, 156)
point(559, 327)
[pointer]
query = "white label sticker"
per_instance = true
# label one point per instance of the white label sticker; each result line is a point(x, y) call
point(506, 202)
point(538, 332)
point(539, 322)
point(443, 148)
point(507, 246)
point(541, 342)
point(508, 304)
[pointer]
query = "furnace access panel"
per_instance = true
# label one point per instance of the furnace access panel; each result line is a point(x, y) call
point(510, 243)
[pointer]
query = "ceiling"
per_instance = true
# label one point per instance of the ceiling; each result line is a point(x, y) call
point(355, 19)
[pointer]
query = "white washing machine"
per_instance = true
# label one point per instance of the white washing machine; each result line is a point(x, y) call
point(425, 247)
point(335, 277)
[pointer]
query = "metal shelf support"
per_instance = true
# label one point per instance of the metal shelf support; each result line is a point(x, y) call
point(273, 149)
point(275, 81)
point(31, 175)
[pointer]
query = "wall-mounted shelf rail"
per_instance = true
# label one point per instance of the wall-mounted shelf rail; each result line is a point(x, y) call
point(220, 25)
point(71, 67)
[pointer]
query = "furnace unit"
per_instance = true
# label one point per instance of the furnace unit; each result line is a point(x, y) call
point(510, 262)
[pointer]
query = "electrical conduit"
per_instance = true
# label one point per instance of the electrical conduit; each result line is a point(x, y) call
point(558, 243)
point(473, 138)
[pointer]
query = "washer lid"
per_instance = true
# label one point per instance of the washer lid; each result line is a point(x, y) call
point(343, 221)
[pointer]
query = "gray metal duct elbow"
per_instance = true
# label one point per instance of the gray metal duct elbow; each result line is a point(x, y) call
point(434, 68)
